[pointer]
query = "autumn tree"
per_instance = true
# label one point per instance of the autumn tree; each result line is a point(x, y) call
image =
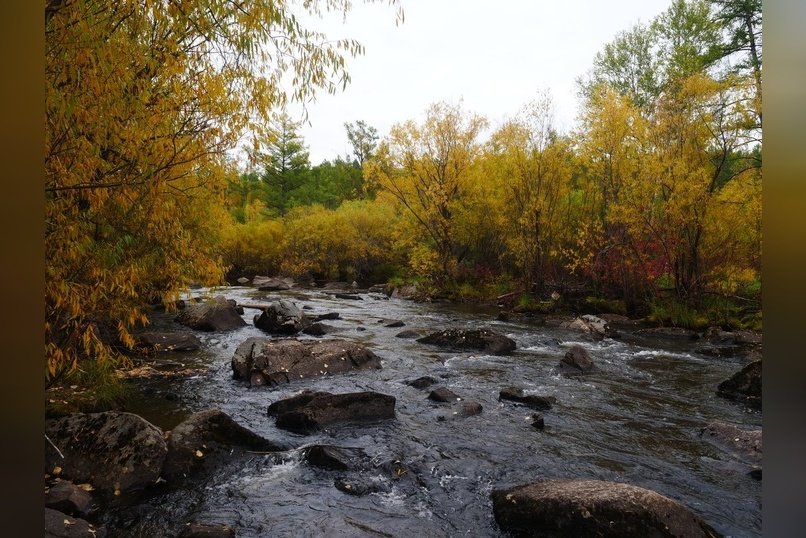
point(143, 100)
point(536, 163)
point(425, 167)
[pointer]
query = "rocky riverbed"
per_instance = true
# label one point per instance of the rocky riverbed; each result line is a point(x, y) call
point(432, 435)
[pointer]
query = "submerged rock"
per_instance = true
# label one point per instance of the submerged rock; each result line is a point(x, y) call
point(422, 382)
point(270, 362)
point(533, 401)
point(562, 508)
point(205, 530)
point(744, 386)
point(219, 314)
point(333, 457)
point(113, 451)
point(483, 340)
point(309, 412)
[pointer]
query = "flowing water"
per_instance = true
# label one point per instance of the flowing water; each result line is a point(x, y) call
point(636, 420)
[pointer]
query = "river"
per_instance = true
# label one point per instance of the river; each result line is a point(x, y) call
point(636, 420)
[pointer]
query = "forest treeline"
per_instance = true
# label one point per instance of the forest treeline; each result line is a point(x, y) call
point(652, 200)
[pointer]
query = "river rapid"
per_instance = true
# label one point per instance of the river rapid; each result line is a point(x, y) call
point(635, 420)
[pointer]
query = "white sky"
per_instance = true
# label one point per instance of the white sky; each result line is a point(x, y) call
point(493, 55)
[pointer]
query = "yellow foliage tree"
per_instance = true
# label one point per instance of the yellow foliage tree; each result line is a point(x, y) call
point(143, 99)
point(536, 164)
point(425, 168)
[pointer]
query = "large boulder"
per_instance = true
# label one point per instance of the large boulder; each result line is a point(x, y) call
point(533, 401)
point(309, 412)
point(113, 451)
point(205, 436)
point(576, 361)
point(744, 386)
point(483, 340)
point(263, 361)
point(282, 317)
point(219, 314)
point(561, 508)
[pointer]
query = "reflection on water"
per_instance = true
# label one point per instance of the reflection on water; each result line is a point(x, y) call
point(635, 420)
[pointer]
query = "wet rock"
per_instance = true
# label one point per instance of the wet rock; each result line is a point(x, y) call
point(538, 422)
point(503, 315)
point(319, 410)
point(744, 386)
point(265, 283)
point(576, 361)
point(113, 451)
point(593, 325)
point(408, 334)
point(277, 362)
point(746, 444)
point(333, 458)
point(391, 323)
point(328, 316)
point(167, 341)
point(281, 317)
point(755, 474)
point(533, 401)
point(319, 329)
point(443, 394)
point(468, 409)
point(293, 403)
point(483, 340)
point(559, 508)
point(422, 382)
point(243, 280)
point(60, 525)
point(204, 437)
point(68, 498)
point(202, 530)
point(348, 296)
point(357, 487)
point(216, 315)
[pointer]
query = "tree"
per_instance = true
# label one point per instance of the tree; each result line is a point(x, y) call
point(364, 140)
point(285, 163)
point(143, 99)
point(425, 167)
point(643, 62)
point(741, 23)
point(536, 163)
point(628, 64)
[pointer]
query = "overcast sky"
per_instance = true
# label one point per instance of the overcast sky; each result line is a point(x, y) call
point(494, 56)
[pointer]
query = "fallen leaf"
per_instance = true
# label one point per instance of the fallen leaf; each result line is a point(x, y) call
point(86, 487)
point(67, 523)
point(57, 470)
point(199, 454)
